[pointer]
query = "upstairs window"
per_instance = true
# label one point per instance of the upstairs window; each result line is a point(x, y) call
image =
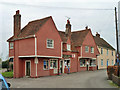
point(11, 45)
point(50, 43)
point(86, 49)
point(107, 52)
point(101, 50)
point(68, 47)
point(112, 53)
point(92, 50)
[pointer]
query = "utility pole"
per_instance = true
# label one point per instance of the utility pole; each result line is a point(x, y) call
point(117, 39)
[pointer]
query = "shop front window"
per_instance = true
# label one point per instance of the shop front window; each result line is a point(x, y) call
point(46, 64)
point(53, 64)
point(82, 62)
point(92, 62)
point(67, 63)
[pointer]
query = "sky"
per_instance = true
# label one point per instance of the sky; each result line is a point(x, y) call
point(96, 14)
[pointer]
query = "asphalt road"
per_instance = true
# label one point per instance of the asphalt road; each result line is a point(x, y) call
point(87, 79)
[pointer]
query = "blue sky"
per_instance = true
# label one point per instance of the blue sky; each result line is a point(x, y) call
point(96, 14)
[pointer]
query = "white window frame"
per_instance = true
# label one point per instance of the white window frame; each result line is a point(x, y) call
point(43, 64)
point(52, 46)
point(11, 45)
point(101, 62)
point(87, 48)
point(92, 49)
point(51, 60)
point(68, 47)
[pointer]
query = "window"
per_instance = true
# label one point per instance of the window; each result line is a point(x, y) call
point(53, 64)
point(107, 52)
point(67, 63)
point(107, 62)
point(86, 49)
point(68, 47)
point(82, 62)
point(112, 62)
point(11, 45)
point(92, 62)
point(46, 64)
point(50, 43)
point(101, 50)
point(101, 62)
point(112, 53)
point(92, 50)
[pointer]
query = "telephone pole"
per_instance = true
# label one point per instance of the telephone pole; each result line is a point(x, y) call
point(117, 39)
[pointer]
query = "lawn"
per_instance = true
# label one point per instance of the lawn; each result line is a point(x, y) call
point(7, 74)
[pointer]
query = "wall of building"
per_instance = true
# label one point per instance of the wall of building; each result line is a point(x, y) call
point(48, 31)
point(89, 41)
point(104, 56)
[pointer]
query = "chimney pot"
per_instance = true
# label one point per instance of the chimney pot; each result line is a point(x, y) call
point(68, 22)
point(17, 12)
point(86, 27)
point(97, 34)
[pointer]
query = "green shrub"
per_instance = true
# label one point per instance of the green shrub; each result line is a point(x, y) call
point(8, 74)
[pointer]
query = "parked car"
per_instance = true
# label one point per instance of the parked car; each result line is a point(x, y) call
point(4, 84)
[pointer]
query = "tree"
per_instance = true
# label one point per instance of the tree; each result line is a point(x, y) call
point(5, 64)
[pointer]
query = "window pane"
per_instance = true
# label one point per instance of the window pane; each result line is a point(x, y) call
point(86, 49)
point(82, 62)
point(45, 64)
point(50, 43)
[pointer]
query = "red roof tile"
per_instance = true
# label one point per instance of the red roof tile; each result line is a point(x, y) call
point(101, 42)
point(30, 29)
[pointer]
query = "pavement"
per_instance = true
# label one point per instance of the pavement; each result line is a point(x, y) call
point(86, 79)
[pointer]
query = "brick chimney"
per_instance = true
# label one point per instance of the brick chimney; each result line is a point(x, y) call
point(97, 34)
point(68, 28)
point(17, 23)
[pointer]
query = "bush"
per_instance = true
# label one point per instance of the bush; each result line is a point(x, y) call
point(7, 74)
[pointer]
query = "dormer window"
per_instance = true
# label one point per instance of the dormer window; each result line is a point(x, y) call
point(68, 47)
point(11, 45)
point(50, 43)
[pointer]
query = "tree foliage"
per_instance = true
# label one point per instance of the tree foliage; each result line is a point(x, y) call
point(5, 64)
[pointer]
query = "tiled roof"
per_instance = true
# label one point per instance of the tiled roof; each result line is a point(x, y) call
point(102, 43)
point(30, 29)
point(77, 38)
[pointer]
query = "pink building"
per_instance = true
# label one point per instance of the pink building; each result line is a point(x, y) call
point(39, 49)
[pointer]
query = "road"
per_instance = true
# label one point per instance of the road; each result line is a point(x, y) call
point(87, 79)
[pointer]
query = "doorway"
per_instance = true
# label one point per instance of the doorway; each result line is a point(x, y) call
point(61, 66)
point(28, 68)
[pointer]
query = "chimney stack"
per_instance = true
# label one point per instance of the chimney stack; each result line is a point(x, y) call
point(17, 23)
point(86, 27)
point(97, 34)
point(68, 28)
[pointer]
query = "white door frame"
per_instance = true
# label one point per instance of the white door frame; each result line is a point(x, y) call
point(25, 66)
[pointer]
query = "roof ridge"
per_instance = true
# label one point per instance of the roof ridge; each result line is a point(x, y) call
point(40, 19)
point(80, 30)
